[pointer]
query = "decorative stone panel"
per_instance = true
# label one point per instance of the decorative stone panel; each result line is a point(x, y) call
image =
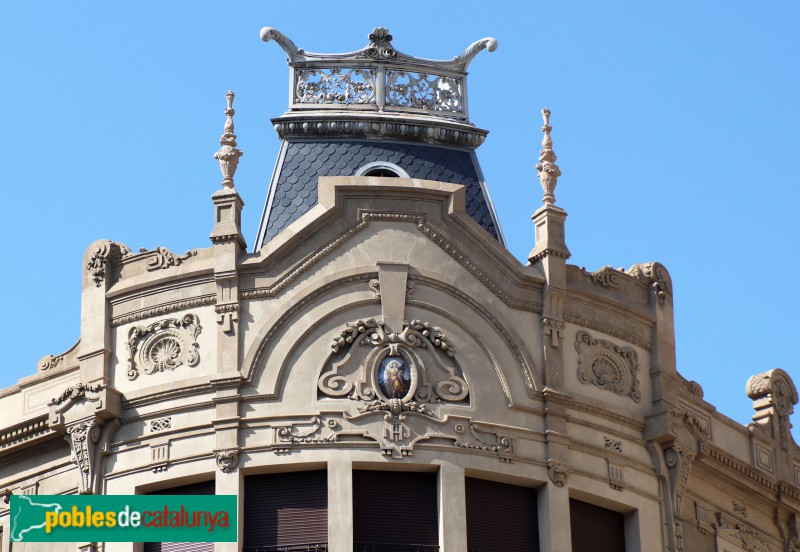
point(163, 345)
point(608, 366)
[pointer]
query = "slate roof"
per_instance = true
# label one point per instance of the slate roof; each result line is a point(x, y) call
point(296, 184)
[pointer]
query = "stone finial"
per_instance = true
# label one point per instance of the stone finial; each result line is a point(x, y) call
point(547, 168)
point(228, 155)
point(774, 396)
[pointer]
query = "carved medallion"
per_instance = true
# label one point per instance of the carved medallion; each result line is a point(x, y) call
point(608, 366)
point(163, 345)
point(394, 372)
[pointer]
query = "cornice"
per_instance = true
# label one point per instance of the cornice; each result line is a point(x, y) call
point(607, 329)
point(166, 308)
point(745, 469)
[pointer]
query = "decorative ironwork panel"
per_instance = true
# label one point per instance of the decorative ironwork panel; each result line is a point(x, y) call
point(424, 91)
point(335, 85)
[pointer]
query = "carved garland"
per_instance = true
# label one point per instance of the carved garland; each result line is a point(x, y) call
point(608, 366)
point(163, 345)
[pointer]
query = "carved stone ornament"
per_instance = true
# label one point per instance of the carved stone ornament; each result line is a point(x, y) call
point(656, 276)
point(608, 365)
point(227, 460)
point(558, 472)
point(163, 345)
point(393, 372)
point(740, 534)
point(103, 253)
point(774, 396)
point(75, 392)
point(228, 155)
point(546, 167)
point(83, 438)
point(162, 258)
point(679, 462)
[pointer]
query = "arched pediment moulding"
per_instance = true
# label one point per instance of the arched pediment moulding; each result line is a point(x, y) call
point(315, 311)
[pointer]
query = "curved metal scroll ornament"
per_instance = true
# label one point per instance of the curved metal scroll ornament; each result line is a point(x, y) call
point(608, 366)
point(163, 345)
point(390, 371)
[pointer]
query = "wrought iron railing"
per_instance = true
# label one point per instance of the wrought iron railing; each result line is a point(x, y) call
point(378, 78)
point(393, 547)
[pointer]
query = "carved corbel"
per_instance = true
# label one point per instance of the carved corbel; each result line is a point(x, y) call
point(82, 412)
point(227, 460)
point(679, 462)
point(558, 472)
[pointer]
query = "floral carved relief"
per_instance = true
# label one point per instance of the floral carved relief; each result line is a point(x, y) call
point(163, 345)
point(608, 365)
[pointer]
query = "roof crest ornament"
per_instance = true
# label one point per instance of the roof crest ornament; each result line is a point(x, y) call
point(292, 51)
point(546, 167)
point(379, 49)
point(228, 155)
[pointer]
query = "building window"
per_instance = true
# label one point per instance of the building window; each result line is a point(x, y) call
point(286, 511)
point(382, 168)
point(395, 512)
point(204, 488)
point(595, 529)
point(501, 517)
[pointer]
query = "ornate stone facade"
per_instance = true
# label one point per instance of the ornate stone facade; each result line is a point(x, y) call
point(388, 327)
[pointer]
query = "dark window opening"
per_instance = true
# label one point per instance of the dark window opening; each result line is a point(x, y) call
point(395, 512)
point(381, 171)
point(501, 517)
point(595, 529)
point(204, 488)
point(286, 512)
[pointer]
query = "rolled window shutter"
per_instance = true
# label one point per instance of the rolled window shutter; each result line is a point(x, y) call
point(501, 517)
point(204, 488)
point(595, 529)
point(395, 511)
point(286, 511)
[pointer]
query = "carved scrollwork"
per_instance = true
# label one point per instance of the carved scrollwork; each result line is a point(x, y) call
point(103, 253)
point(608, 365)
point(163, 345)
point(655, 275)
point(75, 392)
point(393, 371)
point(162, 258)
point(227, 460)
point(606, 276)
point(558, 472)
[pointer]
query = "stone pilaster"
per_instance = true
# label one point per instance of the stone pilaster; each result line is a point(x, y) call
point(452, 501)
point(340, 504)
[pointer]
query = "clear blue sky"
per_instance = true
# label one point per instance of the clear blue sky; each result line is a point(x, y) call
point(675, 126)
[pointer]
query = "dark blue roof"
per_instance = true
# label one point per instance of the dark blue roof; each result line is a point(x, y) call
point(305, 161)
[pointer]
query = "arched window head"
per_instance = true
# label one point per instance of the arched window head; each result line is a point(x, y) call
point(382, 168)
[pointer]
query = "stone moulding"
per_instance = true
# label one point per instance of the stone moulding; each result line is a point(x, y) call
point(607, 329)
point(166, 308)
point(163, 345)
point(608, 366)
point(25, 431)
point(426, 229)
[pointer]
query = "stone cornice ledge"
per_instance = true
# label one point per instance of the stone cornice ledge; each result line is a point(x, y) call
point(607, 329)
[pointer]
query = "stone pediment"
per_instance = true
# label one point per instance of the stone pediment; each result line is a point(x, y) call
point(349, 206)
